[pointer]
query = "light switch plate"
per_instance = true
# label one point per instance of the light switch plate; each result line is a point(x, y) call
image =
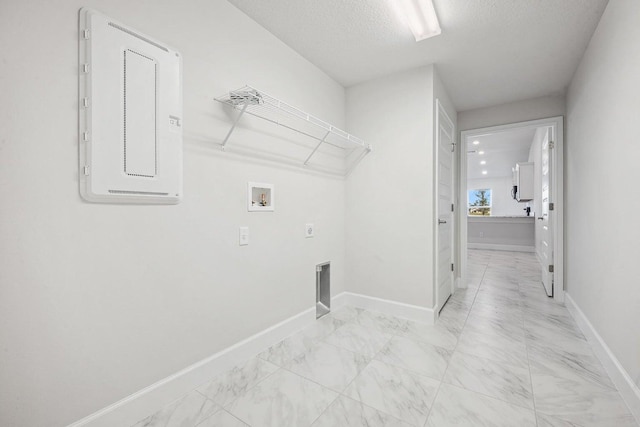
point(244, 236)
point(309, 230)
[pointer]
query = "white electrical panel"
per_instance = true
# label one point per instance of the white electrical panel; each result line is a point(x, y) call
point(130, 92)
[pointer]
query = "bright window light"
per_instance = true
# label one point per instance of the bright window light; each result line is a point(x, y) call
point(420, 16)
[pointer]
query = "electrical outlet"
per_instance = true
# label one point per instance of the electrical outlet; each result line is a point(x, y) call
point(244, 236)
point(308, 230)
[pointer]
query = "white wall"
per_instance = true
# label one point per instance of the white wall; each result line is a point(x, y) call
point(602, 175)
point(99, 301)
point(389, 230)
point(520, 111)
point(502, 203)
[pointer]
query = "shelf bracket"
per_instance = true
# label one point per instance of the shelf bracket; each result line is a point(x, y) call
point(317, 146)
point(235, 123)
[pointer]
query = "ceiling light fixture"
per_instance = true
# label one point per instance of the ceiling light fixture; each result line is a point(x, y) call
point(421, 17)
point(484, 162)
point(476, 142)
point(481, 152)
point(484, 172)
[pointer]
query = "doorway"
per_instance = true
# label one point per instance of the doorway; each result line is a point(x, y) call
point(478, 228)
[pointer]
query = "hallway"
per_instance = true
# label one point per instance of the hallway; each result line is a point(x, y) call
point(501, 354)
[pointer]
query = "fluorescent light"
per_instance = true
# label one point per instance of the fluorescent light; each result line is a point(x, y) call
point(476, 142)
point(484, 162)
point(481, 152)
point(421, 17)
point(484, 172)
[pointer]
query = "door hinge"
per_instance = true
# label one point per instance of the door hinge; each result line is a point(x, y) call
point(452, 267)
point(551, 268)
point(451, 207)
point(85, 170)
point(453, 147)
point(552, 144)
point(86, 34)
point(551, 206)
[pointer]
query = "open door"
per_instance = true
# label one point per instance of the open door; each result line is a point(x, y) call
point(546, 230)
point(444, 250)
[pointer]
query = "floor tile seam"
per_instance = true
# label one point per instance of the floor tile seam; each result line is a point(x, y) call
point(413, 371)
point(512, 365)
point(489, 396)
point(226, 405)
point(223, 410)
point(545, 326)
point(208, 398)
point(325, 409)
point(580, 380)
point(533, 392)
point(435, 398)
point(433, 403)
point(498, 319)
point(367, 365)
point(492, 397)
point(385, 343)
point(342, 348)
point(371, 407)
point(444, 376)
point(338, 394)
point(520, 343)
point(314, 381)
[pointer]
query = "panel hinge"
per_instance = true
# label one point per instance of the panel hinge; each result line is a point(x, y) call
point(552, 144)
point(85, 68)
point(85, 34)
point(85, 170)
point(452, 267)
point(451, 207)
point(551, 206)
point(551, 268)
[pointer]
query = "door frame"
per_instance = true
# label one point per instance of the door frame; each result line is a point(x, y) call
point(557, 187)
point(441, 112)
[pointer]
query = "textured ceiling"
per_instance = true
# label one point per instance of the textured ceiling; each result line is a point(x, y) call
point(490, 51)
point(501, 152)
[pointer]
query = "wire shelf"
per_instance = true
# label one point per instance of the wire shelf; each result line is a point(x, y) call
point(249, 100)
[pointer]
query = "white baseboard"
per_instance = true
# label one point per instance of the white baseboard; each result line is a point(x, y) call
point(394, 308)
point(145, 402)
point(497, 247)
point(627, 388)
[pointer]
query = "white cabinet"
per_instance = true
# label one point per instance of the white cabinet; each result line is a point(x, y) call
point(523, 182)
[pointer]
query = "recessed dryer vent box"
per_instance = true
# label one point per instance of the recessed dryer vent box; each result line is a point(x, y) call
point(130, 114)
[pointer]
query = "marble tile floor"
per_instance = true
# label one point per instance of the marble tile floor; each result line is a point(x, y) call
point(501, 354)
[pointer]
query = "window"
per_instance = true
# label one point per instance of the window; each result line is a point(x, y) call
point(479, 202)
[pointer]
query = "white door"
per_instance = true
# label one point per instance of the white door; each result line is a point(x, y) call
point(546, 234)
point(444, 255)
